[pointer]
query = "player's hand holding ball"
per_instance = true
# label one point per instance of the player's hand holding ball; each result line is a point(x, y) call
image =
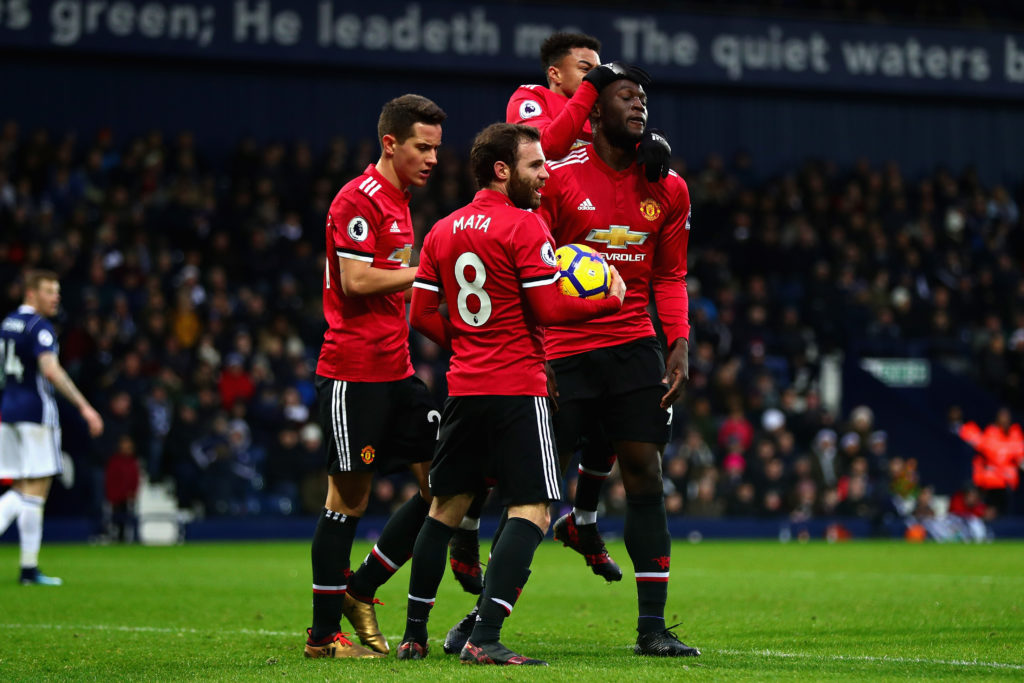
point(616, 285)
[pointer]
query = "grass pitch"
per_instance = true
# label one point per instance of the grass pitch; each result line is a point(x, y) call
point(758, 611)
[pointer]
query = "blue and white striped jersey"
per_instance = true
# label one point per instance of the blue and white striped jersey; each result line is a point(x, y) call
point(28, 396)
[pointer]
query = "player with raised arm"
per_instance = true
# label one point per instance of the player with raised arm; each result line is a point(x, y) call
point(30, 433)
point(611, 371)
point(561, 113)
point(560, 110)
point(376, 414)
point(494, 262)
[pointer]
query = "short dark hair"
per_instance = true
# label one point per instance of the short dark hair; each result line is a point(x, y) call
point(558, 45)
point(400, 114)
point(498, 142)
point(35, 278)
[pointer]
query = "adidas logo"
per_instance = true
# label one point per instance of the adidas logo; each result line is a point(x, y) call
point(586, 205)
point(395, 228)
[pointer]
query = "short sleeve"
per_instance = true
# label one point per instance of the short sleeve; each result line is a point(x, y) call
point(43, 338)
point(353, 221)
point(427, 276)
point(534, 252)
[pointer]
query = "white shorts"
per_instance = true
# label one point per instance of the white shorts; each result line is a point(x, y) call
point(29, 450)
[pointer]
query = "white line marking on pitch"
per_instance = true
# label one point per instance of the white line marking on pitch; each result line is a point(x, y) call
point(843, 576)
point(870, 658)
point(760, 653)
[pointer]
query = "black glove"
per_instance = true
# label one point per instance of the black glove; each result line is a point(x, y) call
point(605, 74)
point(654, 154)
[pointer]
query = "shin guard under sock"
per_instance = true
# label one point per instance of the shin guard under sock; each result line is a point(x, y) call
point(392, 550)
point(332, 545)
point(506, 575)
point(425, 576)
point(650, 547)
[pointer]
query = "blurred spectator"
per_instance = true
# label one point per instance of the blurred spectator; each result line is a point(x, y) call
point(121, 487)
point(968, 505)
point(193, 286)
point(1000, 452)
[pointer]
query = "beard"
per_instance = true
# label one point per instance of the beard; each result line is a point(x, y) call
point(622, 137)
point(522, 193)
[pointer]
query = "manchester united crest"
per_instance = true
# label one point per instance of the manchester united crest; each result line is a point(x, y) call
point(368, 454)
point(650, 209)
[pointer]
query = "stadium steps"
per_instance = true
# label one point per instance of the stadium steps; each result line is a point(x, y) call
point(160, 520)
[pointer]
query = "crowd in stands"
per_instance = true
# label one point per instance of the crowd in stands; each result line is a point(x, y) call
point(191, 316)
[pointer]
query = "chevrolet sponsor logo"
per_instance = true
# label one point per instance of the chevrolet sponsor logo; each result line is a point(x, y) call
point(617, 236)
point(403, 255)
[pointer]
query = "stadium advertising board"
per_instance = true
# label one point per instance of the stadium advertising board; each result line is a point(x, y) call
point(492, 38)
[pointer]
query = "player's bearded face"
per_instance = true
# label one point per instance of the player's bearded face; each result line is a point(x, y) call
point(528, 176)
point(416, 156)
point(623, 113)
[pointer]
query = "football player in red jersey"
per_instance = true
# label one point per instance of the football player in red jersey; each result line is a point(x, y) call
point(561, 109)
point(612, 370)
point(561, 113)
point(377, 416)
point(494, 262)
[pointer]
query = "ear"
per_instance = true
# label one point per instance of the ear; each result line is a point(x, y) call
point(501, 171)
point(554, 75)
point(387, 145)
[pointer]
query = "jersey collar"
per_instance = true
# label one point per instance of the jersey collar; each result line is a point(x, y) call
point(606, 169)
point(25, 308)
point(489, 196)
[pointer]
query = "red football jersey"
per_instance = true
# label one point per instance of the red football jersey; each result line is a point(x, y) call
point(482, 257)
point(564, 123)
point(641, 228)
point(367, 337)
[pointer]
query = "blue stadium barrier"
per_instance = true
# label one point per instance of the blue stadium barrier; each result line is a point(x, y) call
point(72, 530)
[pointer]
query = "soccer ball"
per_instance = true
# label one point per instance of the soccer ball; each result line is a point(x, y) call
point(583, 271)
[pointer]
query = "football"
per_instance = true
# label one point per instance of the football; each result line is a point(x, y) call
point(584, 272)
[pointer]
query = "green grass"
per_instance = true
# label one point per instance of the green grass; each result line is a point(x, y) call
point(758, 610)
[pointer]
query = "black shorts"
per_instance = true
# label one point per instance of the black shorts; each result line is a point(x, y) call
point(505, 438)
point(376, 426)
point(612, 392)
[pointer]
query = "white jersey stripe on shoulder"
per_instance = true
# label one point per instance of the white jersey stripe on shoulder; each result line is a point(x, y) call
point(427, 286)
point(369, 187)
point(578, 157)
point(574, 155)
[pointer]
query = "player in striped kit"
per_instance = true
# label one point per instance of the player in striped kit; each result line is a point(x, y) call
point(378, 417)
point(494, 262)
point(30, 451)
point(612, 370)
